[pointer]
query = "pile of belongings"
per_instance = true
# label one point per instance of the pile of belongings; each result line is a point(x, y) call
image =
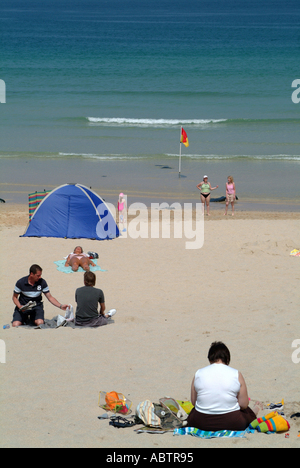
point(161, 417)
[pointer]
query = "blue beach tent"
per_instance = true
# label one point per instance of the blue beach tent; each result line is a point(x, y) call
point(72, 211)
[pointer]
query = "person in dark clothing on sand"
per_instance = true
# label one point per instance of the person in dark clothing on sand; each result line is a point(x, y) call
point(88, 299)
point(27, 297)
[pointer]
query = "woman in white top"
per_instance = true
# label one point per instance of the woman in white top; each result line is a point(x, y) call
point(219, 395)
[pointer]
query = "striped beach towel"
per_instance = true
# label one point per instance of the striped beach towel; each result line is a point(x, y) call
point(211, 435)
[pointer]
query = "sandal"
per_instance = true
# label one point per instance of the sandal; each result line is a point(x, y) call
point(118, 421)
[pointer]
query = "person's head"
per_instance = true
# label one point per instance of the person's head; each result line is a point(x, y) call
point(78, 249)
point(230, 179)
point(89, 278)
point(218, 351)
point(205, 178)
point(35, 272)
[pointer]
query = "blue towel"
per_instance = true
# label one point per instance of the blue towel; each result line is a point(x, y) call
point(61, 267)
point(209, 434)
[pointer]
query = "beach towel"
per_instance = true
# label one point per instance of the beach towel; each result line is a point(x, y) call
point(193, 431)
point(295, 253)
point(272, 422)
point(60, 265)
point(57, 322)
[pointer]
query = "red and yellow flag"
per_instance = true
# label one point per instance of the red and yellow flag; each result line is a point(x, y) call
point(184, 139)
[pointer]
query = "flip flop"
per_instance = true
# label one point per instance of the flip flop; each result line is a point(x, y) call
point(118, 421)
point(28, 306)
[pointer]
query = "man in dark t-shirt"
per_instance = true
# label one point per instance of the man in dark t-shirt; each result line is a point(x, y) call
point(28, 290)
point(88, 299)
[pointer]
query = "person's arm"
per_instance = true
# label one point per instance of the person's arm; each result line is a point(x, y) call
point(55, 301)
point(67, 261)
point(15, 299)
point(234, 189)
point(91, 262)
point(199, 185)
point(242, 397)
point(213, 188)
point(193, 393)
point(102, 308)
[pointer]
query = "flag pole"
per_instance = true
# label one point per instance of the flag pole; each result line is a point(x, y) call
point(179, 169)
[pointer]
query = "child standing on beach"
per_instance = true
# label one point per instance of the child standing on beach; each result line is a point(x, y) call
point(230, 194)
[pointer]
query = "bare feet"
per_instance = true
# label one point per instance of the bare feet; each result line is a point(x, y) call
point(257, 407)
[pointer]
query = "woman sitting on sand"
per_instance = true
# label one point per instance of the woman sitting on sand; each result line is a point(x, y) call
point(79, 258)
point(219, 395)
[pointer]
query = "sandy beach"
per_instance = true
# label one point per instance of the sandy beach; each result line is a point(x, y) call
point(241, 287)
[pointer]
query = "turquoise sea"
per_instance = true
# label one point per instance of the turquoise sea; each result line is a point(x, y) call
point(98, 90)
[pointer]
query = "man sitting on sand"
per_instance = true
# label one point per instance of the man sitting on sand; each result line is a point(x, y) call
point(88, 297)
point(27, 298)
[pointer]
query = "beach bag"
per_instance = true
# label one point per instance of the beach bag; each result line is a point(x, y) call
point(93, 255)
point(157, 415)
point(115, 402)
point(145, 412)
point(187, 406)
point(173, 406)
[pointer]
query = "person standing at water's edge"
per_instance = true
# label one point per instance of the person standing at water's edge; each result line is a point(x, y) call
point(205, 188)
point(230, 194)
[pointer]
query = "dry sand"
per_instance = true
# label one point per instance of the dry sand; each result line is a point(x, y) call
point(242, 288)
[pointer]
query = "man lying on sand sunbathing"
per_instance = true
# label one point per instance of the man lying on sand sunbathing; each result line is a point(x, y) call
point(27, 298)
point(79, 258)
